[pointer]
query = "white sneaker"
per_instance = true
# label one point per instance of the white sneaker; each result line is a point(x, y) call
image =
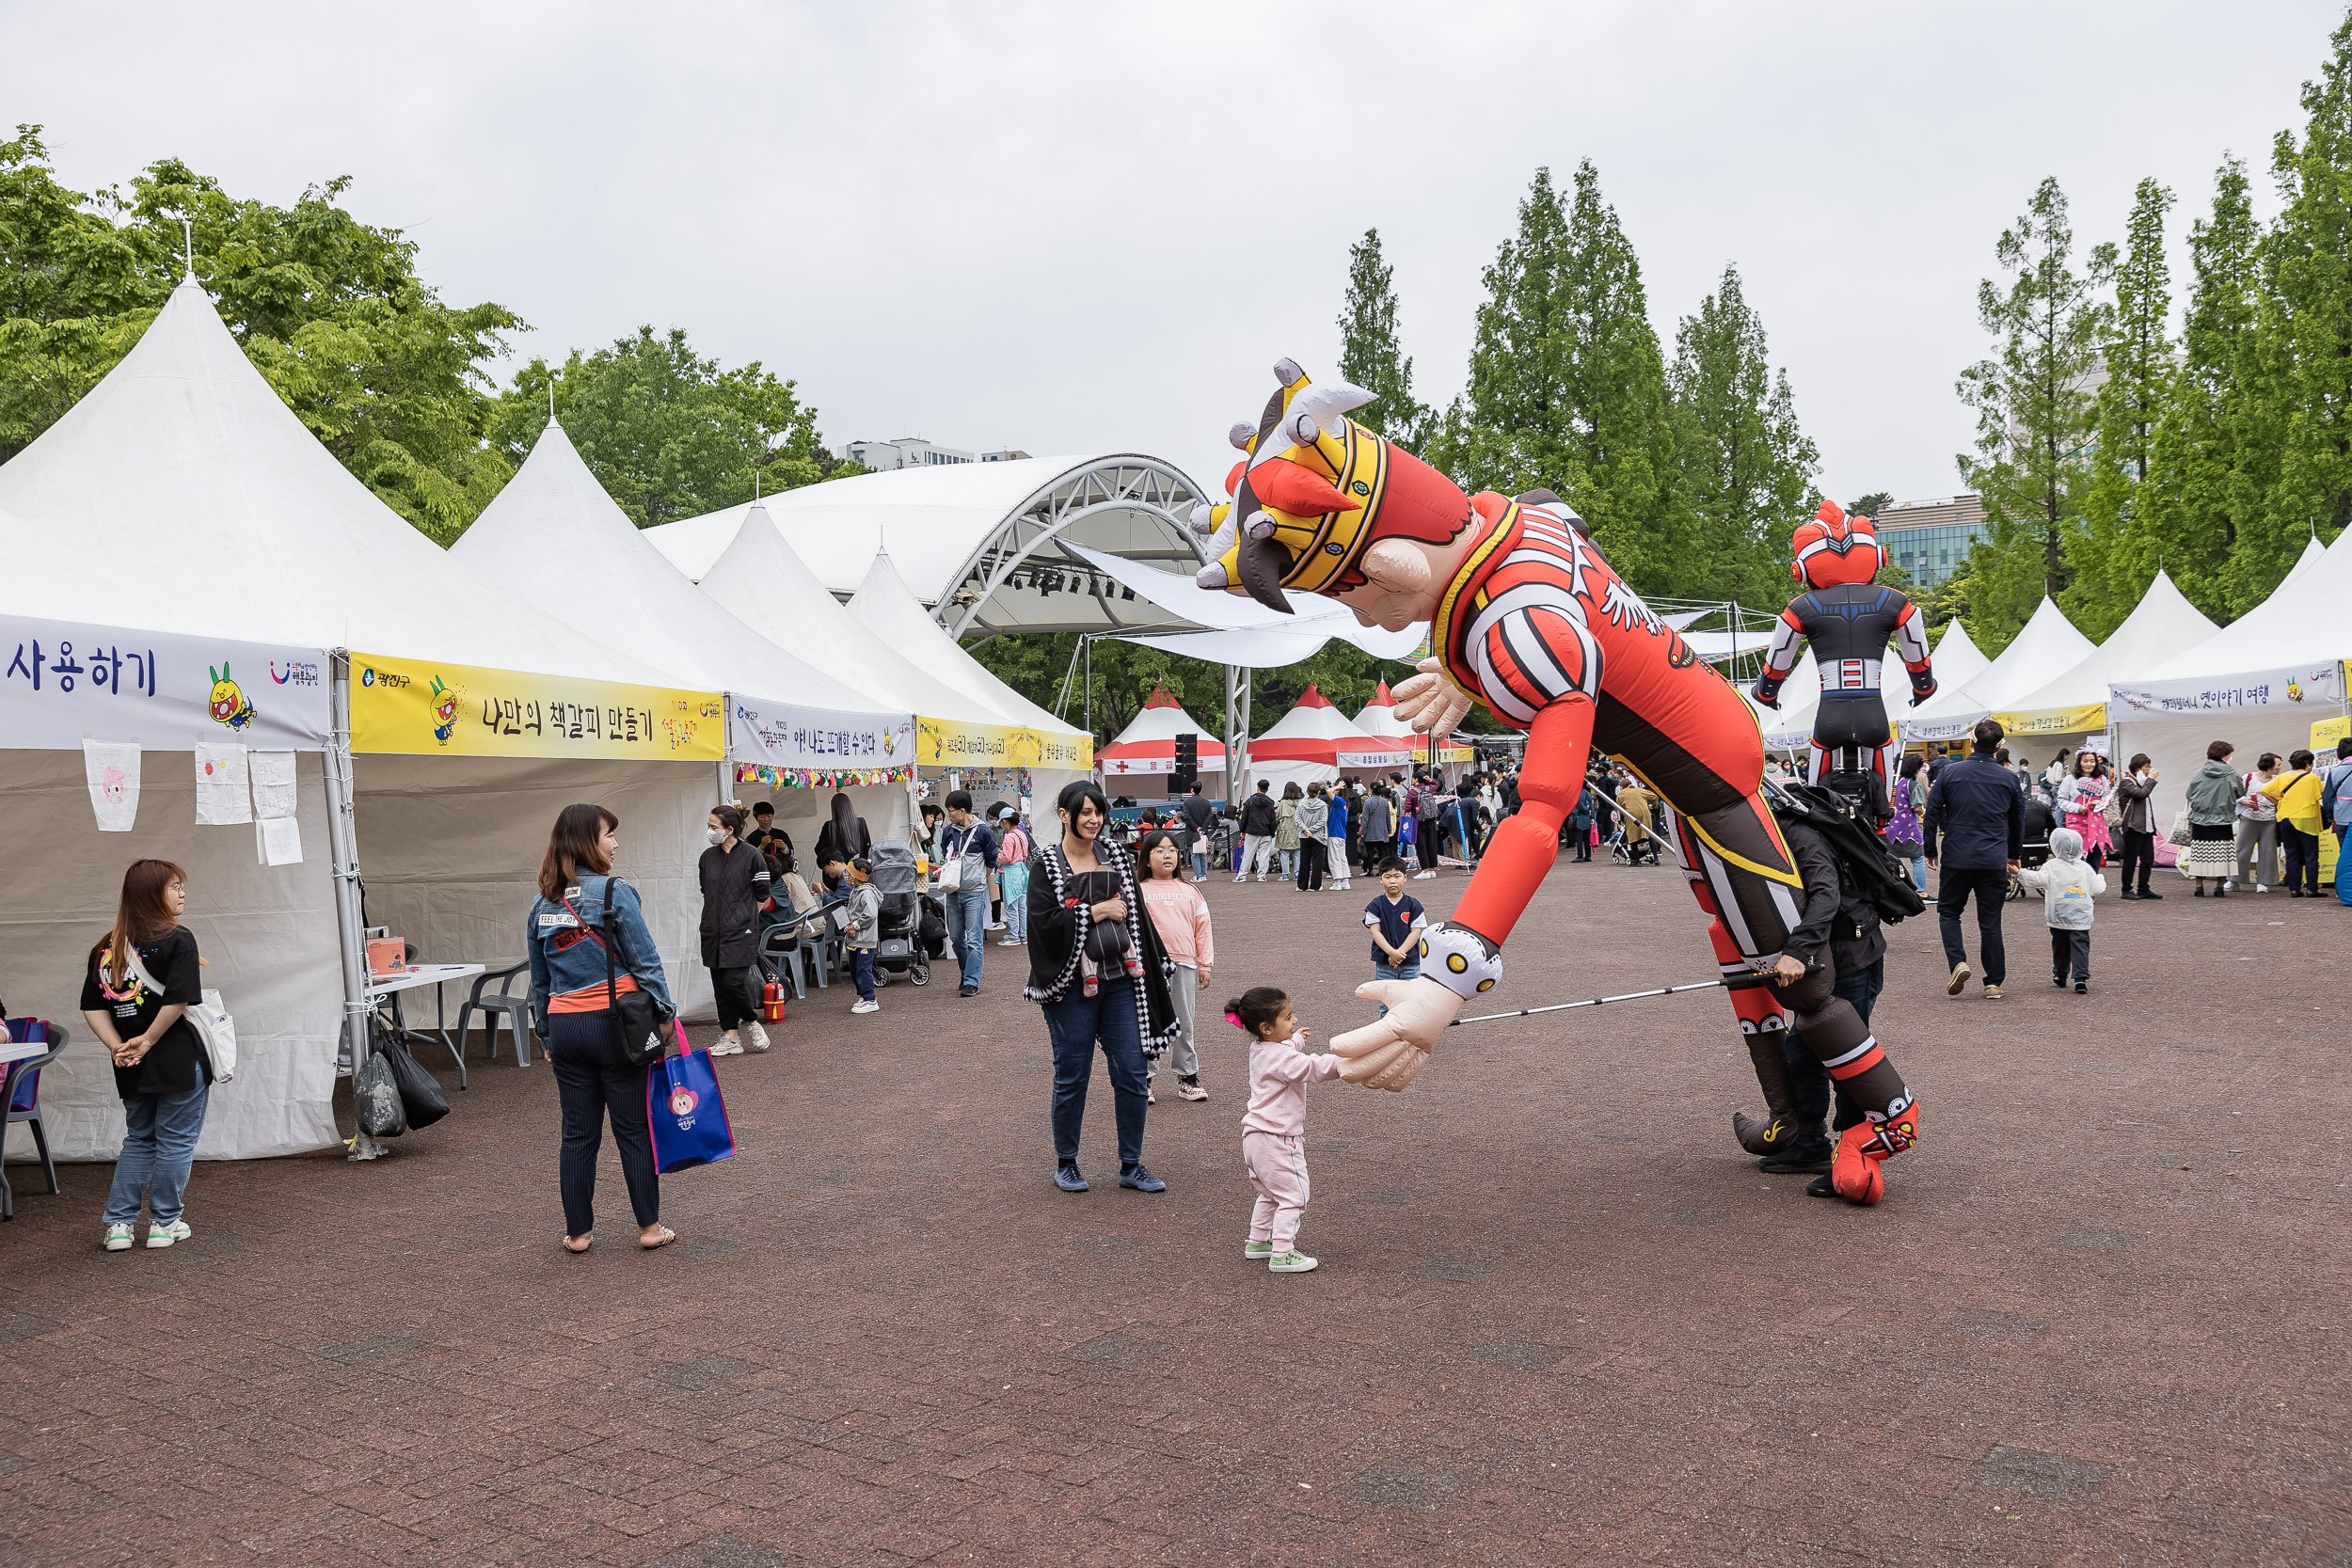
point(1424, 876)
point(865, 1007)
point(1243, 878)
point(1008, 942)
point(1261, 876)
point(119, 1237)
point(759, 1036)
point(725, 1047)
point(2259, 887)
point(164, 1235)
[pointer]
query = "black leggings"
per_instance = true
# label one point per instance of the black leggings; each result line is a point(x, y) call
point(1425, 843)
point(2139, 851)
point(1310, 865)
point(593, 1084)
point(738, 997)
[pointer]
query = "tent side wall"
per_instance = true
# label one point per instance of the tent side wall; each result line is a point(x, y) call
point(2177, 747)
point(269, 933)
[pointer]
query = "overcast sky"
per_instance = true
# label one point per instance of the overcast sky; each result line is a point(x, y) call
point(1093, 228)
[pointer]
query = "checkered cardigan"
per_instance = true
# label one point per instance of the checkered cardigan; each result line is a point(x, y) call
point(1049, 885)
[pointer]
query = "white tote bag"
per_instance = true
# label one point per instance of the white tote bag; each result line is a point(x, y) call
point(208, 1018)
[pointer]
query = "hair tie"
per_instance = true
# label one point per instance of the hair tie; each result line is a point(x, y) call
point(1234, 1018)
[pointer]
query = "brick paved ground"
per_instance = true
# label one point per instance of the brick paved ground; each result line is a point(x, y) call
point(2101, 1318)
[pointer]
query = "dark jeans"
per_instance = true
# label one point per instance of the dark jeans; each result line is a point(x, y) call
point(1311, 863)
point(1582, 838)
point(738, 997)
point(1952, 888)
point(862, 968)
point(2069, 949)
point(594, 1083)
point(1809, 1082)
point(2302, 850)
point(1075, 1023)
point(2139, 851)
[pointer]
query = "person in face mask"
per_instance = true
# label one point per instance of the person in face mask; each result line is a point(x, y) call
point(735, 878)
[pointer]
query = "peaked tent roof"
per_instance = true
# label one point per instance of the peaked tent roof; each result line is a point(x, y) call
point(770, 589)
point(1378, 717)
point(1314, 731)
point(886, 606)
point(2162, 624)
point(2048, 641)
point(553, 509)
point(2313, 552)
point(2303, 622)
point(1148, 745)
point(223, 516)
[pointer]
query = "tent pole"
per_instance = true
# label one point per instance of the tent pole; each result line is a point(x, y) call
point(342, 841)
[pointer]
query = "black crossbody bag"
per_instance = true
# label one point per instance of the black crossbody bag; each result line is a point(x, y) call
point(641, 1028)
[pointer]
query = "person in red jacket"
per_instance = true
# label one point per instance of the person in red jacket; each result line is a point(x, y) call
point(1527, 618)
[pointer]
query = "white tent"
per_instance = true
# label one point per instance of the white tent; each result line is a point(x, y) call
point(2049, 641)
point(1147, 744)
point(2074, 704)
point(2313, 551)
point(1378, 718)
point(1315, 741)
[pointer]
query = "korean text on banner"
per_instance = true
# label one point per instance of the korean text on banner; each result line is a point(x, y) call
point(949, 743)
point(2304, 688)
point(65, 680)
point(783, 735)
point(426, 708)
point(2056, 721)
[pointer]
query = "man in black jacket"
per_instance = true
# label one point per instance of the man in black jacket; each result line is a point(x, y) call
point(1200, 818)
point(1978, 809)
point(1257, 832)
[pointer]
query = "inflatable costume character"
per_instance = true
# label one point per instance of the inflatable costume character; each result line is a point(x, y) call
point(1529, 619)
point(1848, 621)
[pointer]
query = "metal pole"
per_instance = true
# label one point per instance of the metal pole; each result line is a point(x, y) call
point(1087, 644)
point(1594, 1002)
point(343, 839)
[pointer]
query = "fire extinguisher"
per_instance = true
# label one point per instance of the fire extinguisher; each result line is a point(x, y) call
point(772, 1001)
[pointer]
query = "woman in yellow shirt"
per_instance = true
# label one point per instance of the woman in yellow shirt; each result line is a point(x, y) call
point(2297, 793)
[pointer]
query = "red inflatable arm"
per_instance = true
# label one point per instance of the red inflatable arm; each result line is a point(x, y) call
point(1524, 847)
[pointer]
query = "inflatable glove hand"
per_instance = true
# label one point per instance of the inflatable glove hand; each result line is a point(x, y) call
point(1430, 702)
point(1457, 964)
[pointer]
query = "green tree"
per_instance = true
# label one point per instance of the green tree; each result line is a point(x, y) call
point(330, 310)
point(1371, 355)
point(1746, 464)
point(2215, 446)
point(1568, 385)
point(668, 432)
point(2112, 564)
point(2307, 326)
point(2033, 401)
point(1872, 505)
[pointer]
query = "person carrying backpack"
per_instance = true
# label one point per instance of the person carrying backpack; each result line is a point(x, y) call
point(2335, 812)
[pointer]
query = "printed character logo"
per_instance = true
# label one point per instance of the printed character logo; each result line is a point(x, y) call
point(683, 1101)
point(227, 706)
point(112, 783)
point(444, 711)
point(2294, 691)
point(890, 742)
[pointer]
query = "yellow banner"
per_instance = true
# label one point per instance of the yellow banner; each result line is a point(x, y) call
point(1458, 753)
point(2326, 732)
point(2056, 720)
point(953, 743)
point(418, 707)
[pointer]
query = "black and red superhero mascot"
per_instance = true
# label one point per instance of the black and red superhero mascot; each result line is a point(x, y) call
point(1849, 620)
point(1528, 619)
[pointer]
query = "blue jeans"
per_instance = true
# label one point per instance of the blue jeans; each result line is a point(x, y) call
point(1809, 1083)
point(1076, 1023)
point(158, 1147)
point(1408, 969)
point(1200, 866)
point(2344, 870)
point(1290, 864)
point(862, 970)
point(1016, 884)
point(967, 922)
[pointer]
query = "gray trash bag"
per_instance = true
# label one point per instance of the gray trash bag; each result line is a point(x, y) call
point(376, 1099)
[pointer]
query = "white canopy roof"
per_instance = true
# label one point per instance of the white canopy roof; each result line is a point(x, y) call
point(2163, 625)
point(2303, 622)
point(1380, 716)
point(2313, 551)
point(765, 585)
point(553, 528)
point(886, 607)
point(222, 515)
point(2046, 642)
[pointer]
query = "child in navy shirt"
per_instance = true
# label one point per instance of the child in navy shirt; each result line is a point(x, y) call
point(1397, 923)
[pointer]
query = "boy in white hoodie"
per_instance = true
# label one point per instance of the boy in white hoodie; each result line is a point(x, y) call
point(1274, 1130)
point(2067, 884)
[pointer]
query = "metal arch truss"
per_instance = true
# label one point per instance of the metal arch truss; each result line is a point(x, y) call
point(1026, 549)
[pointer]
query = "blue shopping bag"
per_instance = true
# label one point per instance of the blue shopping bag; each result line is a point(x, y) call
point(688, 1115)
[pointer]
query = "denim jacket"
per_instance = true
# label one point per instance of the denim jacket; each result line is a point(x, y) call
point(563, 957)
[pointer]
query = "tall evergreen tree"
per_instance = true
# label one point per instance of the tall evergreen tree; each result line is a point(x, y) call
point(1371, 355)
point(1567, 385)
point(2215, 446)
point(2110, 567)
point(1746, 465)
point(2307, 326)
point(2033, 401)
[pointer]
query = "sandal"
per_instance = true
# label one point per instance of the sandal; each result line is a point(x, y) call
point(668, 1236)
point(585, 1243)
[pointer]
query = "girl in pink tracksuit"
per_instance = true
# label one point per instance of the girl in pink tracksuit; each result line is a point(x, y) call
point(1274, 1130)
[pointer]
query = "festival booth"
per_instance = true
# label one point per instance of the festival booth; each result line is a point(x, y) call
point(2048, 642)
point(1148, 747)
point(1379, 719)
point(1031, 757)
point(2260, 683)
point(2070, 710)
point(1314, 743)
point(222, 517)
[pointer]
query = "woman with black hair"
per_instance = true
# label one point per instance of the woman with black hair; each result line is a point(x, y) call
point(736, 879)
point(1097, 971)
point(141, 979)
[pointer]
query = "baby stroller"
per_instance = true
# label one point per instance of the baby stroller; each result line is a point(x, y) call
point(898, 948)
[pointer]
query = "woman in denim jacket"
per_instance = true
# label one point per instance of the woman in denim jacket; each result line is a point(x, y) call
point(567, 934)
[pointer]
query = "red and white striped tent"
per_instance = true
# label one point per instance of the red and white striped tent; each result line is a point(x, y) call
point(1149, 744)
point(1315, 741)
point(1379, 721)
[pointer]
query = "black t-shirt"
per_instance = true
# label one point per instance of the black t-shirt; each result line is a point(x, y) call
point(171, 1066)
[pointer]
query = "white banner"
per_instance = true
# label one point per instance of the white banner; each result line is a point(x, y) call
point(2307, 688)
point(65, 680)
point(1949, 727)
point(779, 734)
point(1372, 759)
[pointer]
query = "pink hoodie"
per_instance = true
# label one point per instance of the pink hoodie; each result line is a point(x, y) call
point(1278, 1075)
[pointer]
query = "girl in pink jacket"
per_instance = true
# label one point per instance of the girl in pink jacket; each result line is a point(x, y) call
point(1274, 1130)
